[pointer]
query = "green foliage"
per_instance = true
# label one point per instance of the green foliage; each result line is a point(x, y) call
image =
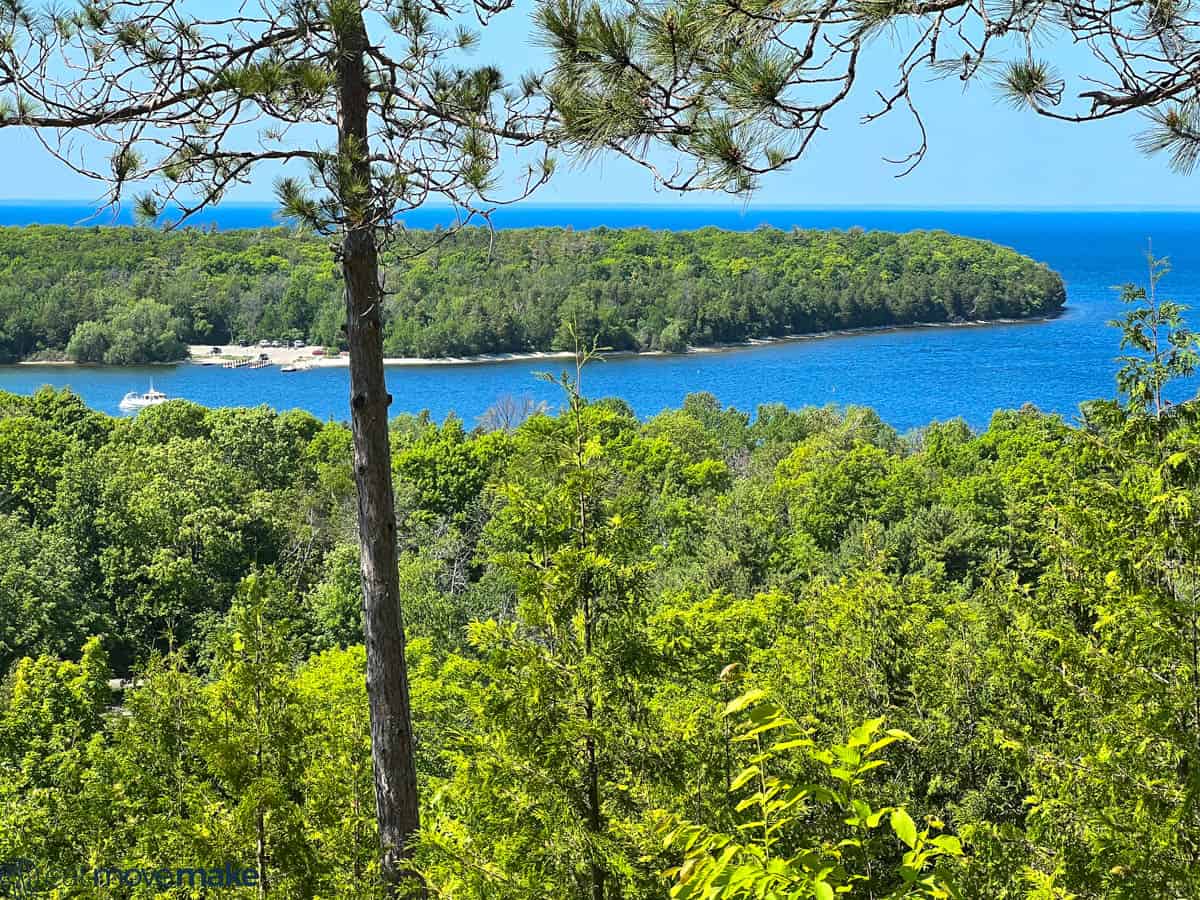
point(776, 852)
point(124, 296)
point(1165, 348)
point(263, 762)
point(42, 593)
point(31, 459)
point(89, 343)
point(548, 720)
point(1023, 601)
point(1030, 83)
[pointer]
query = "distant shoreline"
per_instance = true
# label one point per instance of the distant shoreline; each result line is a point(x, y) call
point(303, 358)
point(201, 353)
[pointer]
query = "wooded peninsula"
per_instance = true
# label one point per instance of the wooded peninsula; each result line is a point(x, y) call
point(125, 296)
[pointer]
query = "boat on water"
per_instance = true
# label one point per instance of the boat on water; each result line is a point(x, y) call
point(135, 400)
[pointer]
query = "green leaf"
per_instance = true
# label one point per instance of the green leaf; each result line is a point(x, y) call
point(744, 776)
point(780, 746)
point(876, 817)
point(904, 826)
point(949, 844)
point(740, 703)
point(861, 736)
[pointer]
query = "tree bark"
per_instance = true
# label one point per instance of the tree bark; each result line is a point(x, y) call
point(395, 774)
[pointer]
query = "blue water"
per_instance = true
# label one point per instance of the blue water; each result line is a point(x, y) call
point(911, 376)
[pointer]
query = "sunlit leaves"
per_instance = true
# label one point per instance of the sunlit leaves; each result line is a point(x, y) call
point(606, 85)
point(608, 41)
point(1163, 15)
point(904, 826)
point(775, 69)
point(725, 148)
point(594, 119)
point(779, 812)
point(466, 39)
point(1167, 350)
point(1021, 600)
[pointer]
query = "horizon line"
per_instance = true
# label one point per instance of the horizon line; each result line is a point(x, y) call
point(699, 207)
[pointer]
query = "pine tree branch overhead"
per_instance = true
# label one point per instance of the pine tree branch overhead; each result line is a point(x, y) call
point(728, 90)
point(156, 96)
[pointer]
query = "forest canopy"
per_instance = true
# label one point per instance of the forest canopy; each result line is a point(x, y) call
point(132, 295)
point(980, 645)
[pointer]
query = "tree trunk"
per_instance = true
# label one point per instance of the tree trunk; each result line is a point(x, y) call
point(260, 854)
point(260, 851)
point(595, 822)
point(387, 676)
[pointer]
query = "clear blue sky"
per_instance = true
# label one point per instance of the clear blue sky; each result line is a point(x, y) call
point(982, 154)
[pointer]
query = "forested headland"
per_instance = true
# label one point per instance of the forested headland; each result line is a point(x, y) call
point(796, 649)
point(133, 295)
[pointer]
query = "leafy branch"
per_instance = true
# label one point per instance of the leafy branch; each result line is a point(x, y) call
point(777, 853)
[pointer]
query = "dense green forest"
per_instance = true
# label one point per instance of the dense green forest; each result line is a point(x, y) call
point(797, 649)
point(131, 295)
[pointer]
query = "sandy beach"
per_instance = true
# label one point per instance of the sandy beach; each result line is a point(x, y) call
point(304, 357)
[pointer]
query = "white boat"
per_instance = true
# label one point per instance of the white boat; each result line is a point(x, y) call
point(134, 400)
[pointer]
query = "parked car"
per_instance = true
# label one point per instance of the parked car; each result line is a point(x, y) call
point(264, 343)
point(318, 351)
point(297, 344)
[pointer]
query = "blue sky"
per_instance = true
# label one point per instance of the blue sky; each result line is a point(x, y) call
point(982, 154)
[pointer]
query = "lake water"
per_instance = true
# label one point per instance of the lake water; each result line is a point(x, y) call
point(910, 376)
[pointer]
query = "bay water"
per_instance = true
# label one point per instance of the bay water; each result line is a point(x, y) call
point(910, 376)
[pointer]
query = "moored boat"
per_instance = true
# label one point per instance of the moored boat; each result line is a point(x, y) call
point(136, 400)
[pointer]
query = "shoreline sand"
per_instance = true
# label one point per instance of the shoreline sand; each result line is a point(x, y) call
point(302, 357)
point(201, 354)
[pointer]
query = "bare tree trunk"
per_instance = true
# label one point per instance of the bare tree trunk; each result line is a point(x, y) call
point(260, 846)
point(387, 676)
point(595, 821)
point(260, 854)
